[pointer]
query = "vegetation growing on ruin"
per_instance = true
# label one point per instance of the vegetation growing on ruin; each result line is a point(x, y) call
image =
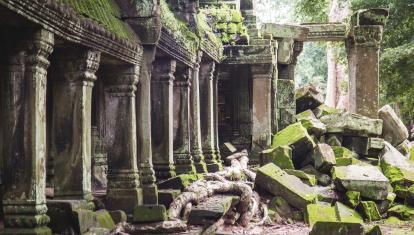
point(105, 12)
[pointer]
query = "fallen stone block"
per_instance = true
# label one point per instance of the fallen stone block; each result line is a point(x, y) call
point(149, 213)
point(314, 126)
point(281, 156)
point(306, 178)
point(396, 167)
point(307, 97)
point(179, 182)
point(342, 152)
point(351, 124)
point(352, 198)
point(322, 179)
point(296, 137)
point(281, 206)
point(343, 161)
point(323, 158)
point(321, 212)
point(334, 139)
point(402, 212)
point(167, 196)
point(227, 149)
point(326, 194)
point(335, 228)
point(276, 181)
point(211, 210)
point(368, 180)
point(118, 216)
point(307, 114)
point(324, 110)
point(374, 146)
point(346, 214)
point(369, 211)
point(376, 230)
point(384, 205)
point(394, 130)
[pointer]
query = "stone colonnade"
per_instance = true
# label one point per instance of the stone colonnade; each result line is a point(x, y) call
point(149, 119)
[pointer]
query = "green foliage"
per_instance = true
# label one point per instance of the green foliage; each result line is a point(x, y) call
point(312, 10)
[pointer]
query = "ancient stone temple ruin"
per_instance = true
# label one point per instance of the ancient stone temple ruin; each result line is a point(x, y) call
point(102, 100)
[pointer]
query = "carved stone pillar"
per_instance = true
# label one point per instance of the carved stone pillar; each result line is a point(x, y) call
point(207, 116)
point(215, 110)
point(162, 117)
point(363, 58)
point(124, 192)
point(71, 123)
point(274, 95)
point(182, 154)
point(24, 129)
point(261, 130)
point(144, 144)
point(196, 148)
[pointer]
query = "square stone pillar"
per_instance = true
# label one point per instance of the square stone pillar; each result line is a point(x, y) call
point(196, 149)
point(144, 142)
point(162, 117)
point(363, 60)
point(182, 154)
point(124, 192)
point(262, 113)
point(71, 123)
point(208, 116)
point(24, 129)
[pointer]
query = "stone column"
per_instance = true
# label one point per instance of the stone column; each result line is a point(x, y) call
point(71, 123)
point(24, 128)
point(162, 117)
point(123, 191)
point(215, 110)
point(196, 149)
point(182, 154)
point(274, 96)
point(363, 57)
point(262, 113)
point(207, 116)
point(144, 144)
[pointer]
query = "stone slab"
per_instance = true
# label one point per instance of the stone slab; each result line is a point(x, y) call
point(346, 214)
point(394, 130)
point(149, 213)
point(306, 178)
point(323, 158)
point(227, 149)
point(276, 181)
point(320, 213)
point(368, 180)
point(211, 210)
point(307, 97)
point(281, 156)
point(351, 124)
point(369, 210)
point(337, 228)
point(398, 168)
point(179, 182)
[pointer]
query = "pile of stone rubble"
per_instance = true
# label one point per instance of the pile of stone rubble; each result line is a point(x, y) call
point(339, 172)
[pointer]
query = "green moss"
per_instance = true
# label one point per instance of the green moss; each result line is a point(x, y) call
point(291, 134)
point(344, 161)
point(402, 212)
point(178, 29)
point(150, 213)
point(342, 152)
point(394, 174)
point(369, 210)
point(281, 156)
point(320, 212)
point(104, 219)
point(307, 179)
point(346, 214)
point(352, 198)
point(104, 12)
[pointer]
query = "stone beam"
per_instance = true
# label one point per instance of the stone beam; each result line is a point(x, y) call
point(295, 32)
point(326, 32)
point(249, 54)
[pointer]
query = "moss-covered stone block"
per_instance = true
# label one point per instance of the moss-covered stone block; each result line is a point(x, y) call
point(307, 97)
point(320, 213)
point(104, 220)
point(384, 205)
point(118, 216)
point(351, 124)
point(342, 152)
point(347, 161)
point(296, 137)
point(323, 158)
point(376, 230)
point(346, 214)
point(307, 114)
point(306, 178)
point(402, 212)
point(281, 206)
point(314, 126)
point(180, 182)
point(281, 156)
point(211, 210)
point(323, 110)
point(276, 181)
point(352, 198)
point(368, 180)
point(369, 211)
point(150, 213)
point(337, 228)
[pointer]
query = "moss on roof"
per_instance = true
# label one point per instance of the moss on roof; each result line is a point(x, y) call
point(104, 12)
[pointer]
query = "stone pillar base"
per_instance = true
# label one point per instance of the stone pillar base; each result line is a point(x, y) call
point(149, 194)
point(212, 162)
point(184, 164)
point(27, 231)
point(124, 199)
point(164, 171)
point(200, 167)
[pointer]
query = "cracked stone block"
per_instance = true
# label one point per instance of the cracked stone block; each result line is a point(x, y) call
point(346, 214)
point(323, 158)
point(307, 97)
point(211, 210)
point(276, 181)
point(398, 168)
point(324, 110)
point(394, 130)
point(351, 124)
point(306, 178)
point(149, 213)
point(296, 137)
point(281, 156)
point(368, 180)
point(369, 211)
point(331, 228)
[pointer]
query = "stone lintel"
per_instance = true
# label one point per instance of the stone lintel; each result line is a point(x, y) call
point(296, 32)
point(249, 54)
point(326, 32)
point(373, 16)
